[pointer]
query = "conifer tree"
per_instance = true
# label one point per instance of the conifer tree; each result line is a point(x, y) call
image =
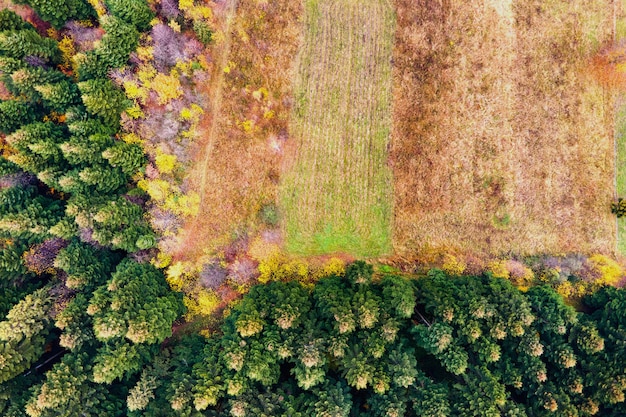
point(136, 304)
point(23, 334)
point(9, 20)
point(128, 157)
point(84, 151)
point(58, 12)
point(104, 100)
point(68, 391)
point(14, 114)
point(134, 12)
point(23, 43)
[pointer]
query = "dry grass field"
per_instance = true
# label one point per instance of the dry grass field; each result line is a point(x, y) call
point(335, 191)
point(503, 141)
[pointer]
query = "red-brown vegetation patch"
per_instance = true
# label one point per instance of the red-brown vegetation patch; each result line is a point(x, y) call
point(238, 155)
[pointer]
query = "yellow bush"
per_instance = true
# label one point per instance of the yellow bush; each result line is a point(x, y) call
point(162, 260)
point(185, 4)
point(158, 190)
point(174, 25)
point(183, 204)
point(145, 53)
point(165, 163)
point(452, 265)
point(134, 112)
point(202, 304)
point(68, 50)
point(277, 268)
point(135, 91)
point(167, 87)
point(146, 74)
point(610, 271)
point(179, 275)
point(334, 266)
point(499, 269)
point(132, 138)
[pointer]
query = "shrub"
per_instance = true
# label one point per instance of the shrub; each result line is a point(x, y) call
point(202, 31)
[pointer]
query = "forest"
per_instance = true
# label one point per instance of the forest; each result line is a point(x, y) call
point(103, 109)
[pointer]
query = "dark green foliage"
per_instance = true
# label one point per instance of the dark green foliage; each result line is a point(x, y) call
point(24, 82)
point(57, 12)
point(9, 20)
point(86, 150)
point(113, 51)
point(26, 215)
point(120, 40)
point(59, 96)
point(26, 42)
point(69, 391)
point(84, 265)
point(136, 304)
point(14, 114)
point(202, 31)
point(134, 12)
point(619, 208)
point(128, 157)
point(23, 334)
point(103, 100)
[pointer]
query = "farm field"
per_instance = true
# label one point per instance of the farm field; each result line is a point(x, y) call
point(502, 140)
point(335, 192)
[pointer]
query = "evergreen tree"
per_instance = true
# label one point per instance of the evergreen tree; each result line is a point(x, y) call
point(59, 96)
point(9, 20)
point(134, 12)
point(84, 265)
point(136, 304)
point(23, 334)
point(14, 114)
point(86, 150)
point(128, 157)
point(26, 42)
point(104, 100)
point(58, 12)
point(68, 391)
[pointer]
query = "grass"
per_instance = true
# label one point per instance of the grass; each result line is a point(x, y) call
point(336, 193)
point(503, 142)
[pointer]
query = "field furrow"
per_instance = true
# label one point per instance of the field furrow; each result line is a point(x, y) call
point(336, 197)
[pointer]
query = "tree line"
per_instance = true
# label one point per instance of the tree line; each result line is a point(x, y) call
point(76, 299)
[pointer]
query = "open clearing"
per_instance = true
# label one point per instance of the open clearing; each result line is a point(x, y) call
point(336, 192)
point(503, 142)
point(238, 155)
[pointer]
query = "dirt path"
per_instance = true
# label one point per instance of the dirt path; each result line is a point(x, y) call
point(215, 92)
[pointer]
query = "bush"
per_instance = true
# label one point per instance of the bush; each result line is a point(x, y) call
point(202, 31)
